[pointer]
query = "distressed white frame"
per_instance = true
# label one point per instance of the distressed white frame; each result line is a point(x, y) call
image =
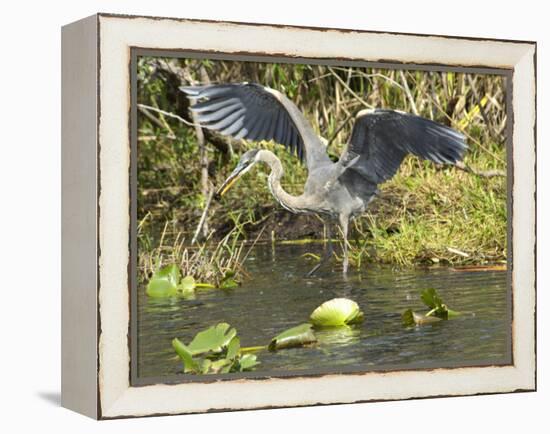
point(115, 397)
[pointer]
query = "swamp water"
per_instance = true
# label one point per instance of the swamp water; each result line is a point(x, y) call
point(277, 296)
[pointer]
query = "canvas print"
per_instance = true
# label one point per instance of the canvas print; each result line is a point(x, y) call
point(298, 218)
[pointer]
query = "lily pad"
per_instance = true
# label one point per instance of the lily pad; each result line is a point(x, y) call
point(293, 337)
point(431, 298)
point(222, 366)
point(336, 312)
point(189, 364)
point(205, 365)
point(164, 282)
point(167, 282)
point(247, 362)
point(233, 348)
point(214, 350)
point(228, 281)
point(187, 285)
point(214, 339)
point(229, 284)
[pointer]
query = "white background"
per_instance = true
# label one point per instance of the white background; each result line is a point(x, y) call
point(30, 216)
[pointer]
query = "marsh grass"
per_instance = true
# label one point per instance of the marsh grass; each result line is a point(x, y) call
point(435, 216)
point(208, 262)
point(425, 214)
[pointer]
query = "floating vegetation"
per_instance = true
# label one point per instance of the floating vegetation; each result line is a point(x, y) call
point(168, 282)
point(228, 280)
point(294, 337)
point(218, 264)
point(214, 350)
point(336, 312)
point(218, 350)
point(438, 310)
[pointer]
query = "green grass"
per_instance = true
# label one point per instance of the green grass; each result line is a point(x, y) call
point(429, 214)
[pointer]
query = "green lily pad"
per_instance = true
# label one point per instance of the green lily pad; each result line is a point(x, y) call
point(164, 282)
point(189, 364)
point(167, 282)
point(205, 365)
point(229, 284)
point(228, 281)
point(452, 313)
point(233, 348)
point(213, 339)
point(336, 312)
point(214, 350)
point(247, 362)
point(431, 298)
point(222, 366)
point(293, 337)
point(187, 285)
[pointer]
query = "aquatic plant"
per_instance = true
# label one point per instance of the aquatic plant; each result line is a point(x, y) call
point(214, 350)
point(411, 318)
point(336, 312)
point(218, 349)
point(438, 310)
point(294, 337)
point(228, 280)
point(218, 264)
point(164, 282)
point(431, 298)
point(168, 282)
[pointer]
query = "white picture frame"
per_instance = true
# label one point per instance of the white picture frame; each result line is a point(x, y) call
point(96, 156)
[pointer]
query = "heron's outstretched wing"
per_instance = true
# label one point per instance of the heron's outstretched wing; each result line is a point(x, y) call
point(254, 112)
point(381, 139)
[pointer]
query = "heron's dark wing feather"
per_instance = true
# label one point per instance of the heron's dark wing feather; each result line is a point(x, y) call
point(254, 112)
point(382, 139)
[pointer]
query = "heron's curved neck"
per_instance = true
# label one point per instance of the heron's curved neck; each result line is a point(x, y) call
point(288, 201)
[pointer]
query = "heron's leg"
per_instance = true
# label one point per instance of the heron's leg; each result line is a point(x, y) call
point(344, 223)
point(328, 251)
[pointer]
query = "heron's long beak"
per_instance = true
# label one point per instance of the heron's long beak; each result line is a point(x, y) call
point(239, 171)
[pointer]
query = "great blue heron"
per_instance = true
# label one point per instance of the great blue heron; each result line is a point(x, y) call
point(379, 142)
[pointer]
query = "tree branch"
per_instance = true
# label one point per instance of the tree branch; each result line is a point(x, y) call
point(146, 108)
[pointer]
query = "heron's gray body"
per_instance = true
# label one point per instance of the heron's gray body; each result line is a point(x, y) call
point(324, 193)
point(327, 195)
point(337, 191)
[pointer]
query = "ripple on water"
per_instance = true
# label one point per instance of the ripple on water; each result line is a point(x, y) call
point(278, 296)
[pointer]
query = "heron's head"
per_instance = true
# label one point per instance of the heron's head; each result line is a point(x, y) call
point(247, 160)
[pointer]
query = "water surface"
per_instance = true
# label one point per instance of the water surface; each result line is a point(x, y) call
point(278, 296)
